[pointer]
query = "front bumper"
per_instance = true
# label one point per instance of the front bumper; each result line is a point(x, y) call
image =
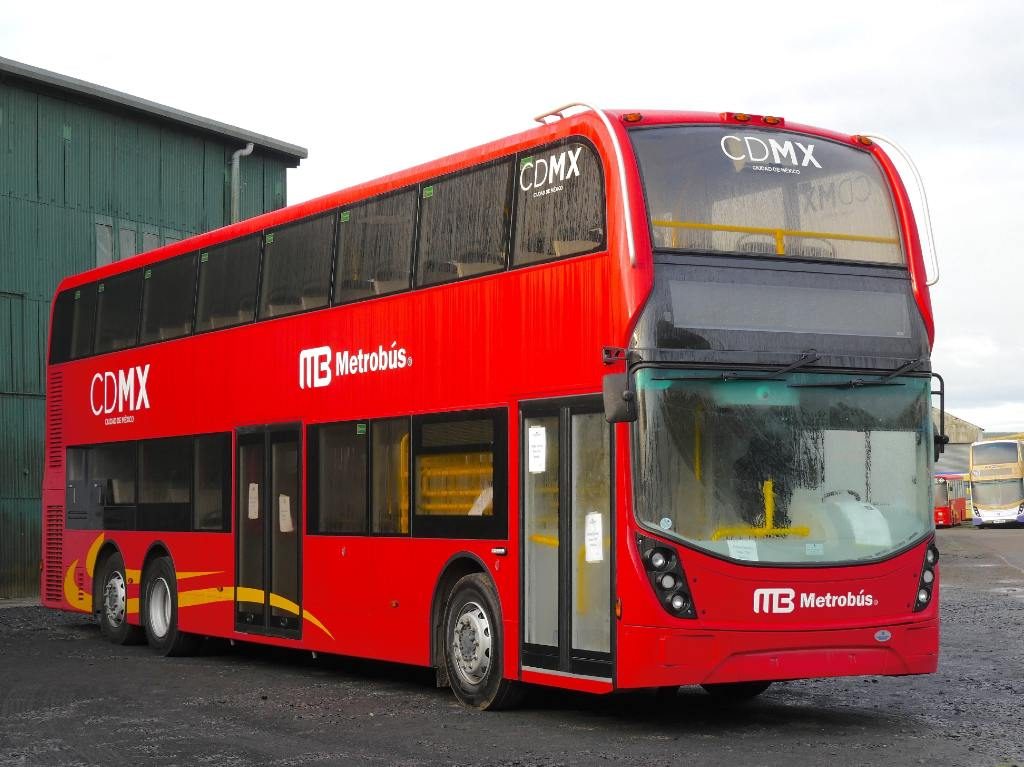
point(684, 657)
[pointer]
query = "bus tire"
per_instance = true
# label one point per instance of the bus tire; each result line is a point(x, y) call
point(735, 692)
point(112, 603)
point(472, 646)
point(160, 611)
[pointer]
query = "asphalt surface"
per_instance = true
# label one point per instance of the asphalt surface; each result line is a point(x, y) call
point(67, 697)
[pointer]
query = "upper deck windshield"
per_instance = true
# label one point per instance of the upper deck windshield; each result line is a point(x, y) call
point(765, 192)
point(994, 452)
point(798, 469)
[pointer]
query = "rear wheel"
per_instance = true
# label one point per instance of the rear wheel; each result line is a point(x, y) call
point(160, 611)
point(112, 599)
point(472, 646)
point(735, 692)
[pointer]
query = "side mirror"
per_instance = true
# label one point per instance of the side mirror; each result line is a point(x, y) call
point(619, 399)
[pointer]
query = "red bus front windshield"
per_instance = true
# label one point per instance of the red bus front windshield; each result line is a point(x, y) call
point(756, 191)
point(802, 469)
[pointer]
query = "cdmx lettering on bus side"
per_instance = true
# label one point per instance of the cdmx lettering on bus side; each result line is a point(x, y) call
point(122, 391)
point(755, 149)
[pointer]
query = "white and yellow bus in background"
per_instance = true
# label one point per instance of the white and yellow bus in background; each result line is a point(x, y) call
point(997, 482)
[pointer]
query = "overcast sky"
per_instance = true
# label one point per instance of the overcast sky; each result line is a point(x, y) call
point(371, 88)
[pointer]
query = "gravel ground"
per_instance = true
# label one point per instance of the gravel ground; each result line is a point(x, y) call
point(67, 697)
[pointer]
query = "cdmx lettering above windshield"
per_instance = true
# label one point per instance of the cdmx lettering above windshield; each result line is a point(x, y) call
point(315, 369)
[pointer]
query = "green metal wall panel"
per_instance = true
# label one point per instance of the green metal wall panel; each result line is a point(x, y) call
point(20, 142)
point(147, 207)
point(217, 193)
point(102, 191)
point(77, 123)
point(21, 449)
point(20, 531)
point(21, 364)
point(50, 146)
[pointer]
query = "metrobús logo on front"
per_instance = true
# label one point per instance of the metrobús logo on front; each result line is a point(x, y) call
point(316, 369)
point(783, 600)
point(119, 394)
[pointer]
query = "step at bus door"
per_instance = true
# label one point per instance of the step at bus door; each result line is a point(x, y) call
point(268, 521)
point(566, 496)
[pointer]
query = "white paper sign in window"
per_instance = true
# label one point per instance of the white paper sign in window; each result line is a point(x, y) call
point(284, 512)
point(593, 537)
point(254, 500)
point(538, 446)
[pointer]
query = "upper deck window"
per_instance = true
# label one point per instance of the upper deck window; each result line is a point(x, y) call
point(227, 284)
point(117, 312)
point(168, 293)
point(375, 242)
point(751, 191)
point(297, 267)
point(74, 323)
point(560, 203)
point(464, 225)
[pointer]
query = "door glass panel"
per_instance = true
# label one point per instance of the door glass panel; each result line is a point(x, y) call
point(284, 522)
point(250, 529)
point(591, 533)
point(540, 495)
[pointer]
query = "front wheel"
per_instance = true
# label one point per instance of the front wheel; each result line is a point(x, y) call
point(735, 692)
point(160, 611)
point(472, 646)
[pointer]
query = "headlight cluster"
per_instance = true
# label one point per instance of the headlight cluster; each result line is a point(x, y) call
point(927, 581)
point(665, 572)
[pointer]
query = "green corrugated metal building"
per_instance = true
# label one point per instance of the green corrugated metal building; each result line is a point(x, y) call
point(89, 175)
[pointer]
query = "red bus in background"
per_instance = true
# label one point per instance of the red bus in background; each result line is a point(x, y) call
point(950, 499)
point(627, 400)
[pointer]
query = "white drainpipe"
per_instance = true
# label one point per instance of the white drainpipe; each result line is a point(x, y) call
point(236, 183)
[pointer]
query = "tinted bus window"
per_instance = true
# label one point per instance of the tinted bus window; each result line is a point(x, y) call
point(117, 312)
point(375, 242)
point(63, 322)
point(212, 483)
point(560, 203)
point(112, 483)
point(463, 225)
point(338, 477)
point(74, 324)
point(165, 484)
point(168, 298)
point(459, 475)
point(297, 267)
point(227, 284)
point(390, 510)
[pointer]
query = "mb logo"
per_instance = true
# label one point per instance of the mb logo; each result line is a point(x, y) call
point(774, 600)
point(315, 367)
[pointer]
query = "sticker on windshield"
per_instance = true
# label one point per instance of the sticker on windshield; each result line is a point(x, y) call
point(665, 523)
point(814, 549)
point(593, 537)
point(745, 549)
point(538, 440)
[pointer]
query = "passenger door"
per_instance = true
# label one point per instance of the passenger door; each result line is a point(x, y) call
point(268, 523)
point(567, 532)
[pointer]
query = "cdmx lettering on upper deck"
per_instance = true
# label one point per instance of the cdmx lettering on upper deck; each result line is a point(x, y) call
point(756, 149)
point(119, 392)
point(315, 364)
point(546, 171)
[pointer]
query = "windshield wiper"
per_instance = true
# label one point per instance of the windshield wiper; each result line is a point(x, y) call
point(806, 358)
point(858, 383)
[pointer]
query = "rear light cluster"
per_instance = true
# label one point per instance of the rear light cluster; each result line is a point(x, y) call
point(927, 582)
point(665, 572)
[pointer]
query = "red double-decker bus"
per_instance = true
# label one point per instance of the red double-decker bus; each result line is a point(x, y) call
point(627, 400)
